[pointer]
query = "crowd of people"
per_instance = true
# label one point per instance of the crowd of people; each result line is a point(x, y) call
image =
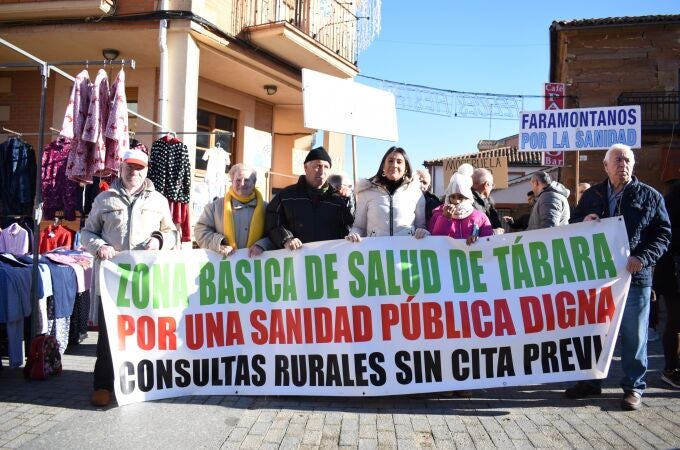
point(397, 201)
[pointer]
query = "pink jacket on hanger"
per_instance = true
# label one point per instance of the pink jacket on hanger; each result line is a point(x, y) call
point(74, 122)
point(97, 116)
point(116, 133)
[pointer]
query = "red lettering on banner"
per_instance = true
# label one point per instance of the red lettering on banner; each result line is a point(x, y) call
point(435, 322)
point(566, 309)
point(321, 325)
point(213, 330)
point(126, 327)
point(147, 332)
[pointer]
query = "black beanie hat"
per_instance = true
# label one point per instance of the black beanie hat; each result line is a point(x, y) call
point(318, 153)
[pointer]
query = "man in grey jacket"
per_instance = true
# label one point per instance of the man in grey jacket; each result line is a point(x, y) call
point(130, 215)
point(551, 205)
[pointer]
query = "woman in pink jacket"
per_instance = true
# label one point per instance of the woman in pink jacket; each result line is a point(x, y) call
point(457, 217)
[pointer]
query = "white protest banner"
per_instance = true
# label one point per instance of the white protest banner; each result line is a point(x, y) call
point(387, 316)
point(580, 129)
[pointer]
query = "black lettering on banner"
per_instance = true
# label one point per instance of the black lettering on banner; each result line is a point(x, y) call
point(495, 362)
point(329, 370)
point(127, 369)
point(418, 366)
point(183, 378)
point(586, 351)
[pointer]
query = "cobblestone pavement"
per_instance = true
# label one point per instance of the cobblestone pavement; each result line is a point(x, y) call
point(57, 414)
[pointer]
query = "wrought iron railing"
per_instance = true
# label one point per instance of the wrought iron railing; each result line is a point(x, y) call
point(660, 110)
point(330, 22)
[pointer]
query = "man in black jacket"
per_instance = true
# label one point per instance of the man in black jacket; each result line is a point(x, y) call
point(431, 200)
point(482, 184)
point(310, 210)
point(649, 232)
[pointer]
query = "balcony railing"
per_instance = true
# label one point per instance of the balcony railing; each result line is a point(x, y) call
point(660, 110)
point(330, 22)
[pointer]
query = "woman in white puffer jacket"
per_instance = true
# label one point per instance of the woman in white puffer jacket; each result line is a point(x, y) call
point(390, 203)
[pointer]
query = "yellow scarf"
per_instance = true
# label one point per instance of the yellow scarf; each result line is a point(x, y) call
point(256, 229)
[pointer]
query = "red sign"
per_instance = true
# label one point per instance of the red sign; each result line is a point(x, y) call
point(553, 158)
point(554, 95)
point(554, 99)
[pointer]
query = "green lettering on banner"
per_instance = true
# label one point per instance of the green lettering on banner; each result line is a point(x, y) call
point(140, 286)
point(459, 271)
point(124, 270)
point(430, 266)
point(225, 288)
point(206, 284)
point(289, 290)
point(501, 254)
point(357, 287)
point(314, 276)
point(477, 270)
point(564, 273)
point(392, 286)
point(331, 275)
point(410, 275)
point(244, 294)
point(180, 289)
point(520, 268)
point(543, 275)
point(161, 285)
point(603, 257)
point(580, 252)
point(257, 275)
point(273, 271)
point(376, 277)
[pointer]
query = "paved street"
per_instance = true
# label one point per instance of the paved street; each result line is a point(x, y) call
point(57, 414)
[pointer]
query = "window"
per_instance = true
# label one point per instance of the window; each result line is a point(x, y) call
point(213, 130)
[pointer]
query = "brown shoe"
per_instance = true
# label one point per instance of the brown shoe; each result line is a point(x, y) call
point(101, 397)
point(631, 401)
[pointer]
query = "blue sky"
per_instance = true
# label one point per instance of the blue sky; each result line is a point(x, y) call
point(490, 46)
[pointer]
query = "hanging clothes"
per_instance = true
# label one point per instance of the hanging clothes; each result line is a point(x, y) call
point(116, 132)
point(93, 133)
point(215, 176)
point(74, 123)
point(15, 303)
point(58, 192)
point(170, 172)
point(96, 121)
point(17, 177)
point(55, 236)
point(14, 240)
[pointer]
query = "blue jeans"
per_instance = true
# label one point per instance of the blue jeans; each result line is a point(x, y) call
point(633, 335)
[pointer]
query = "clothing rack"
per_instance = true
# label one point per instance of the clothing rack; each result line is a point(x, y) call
point(45, 68)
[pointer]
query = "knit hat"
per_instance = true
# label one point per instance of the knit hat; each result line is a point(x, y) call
point(318, 153)
point(136, 156)
point(461, 182)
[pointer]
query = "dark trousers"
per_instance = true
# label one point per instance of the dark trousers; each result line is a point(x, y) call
point(670, 333)
point(103, 367)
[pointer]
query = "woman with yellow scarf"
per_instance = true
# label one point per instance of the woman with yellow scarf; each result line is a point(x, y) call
point(236, 220)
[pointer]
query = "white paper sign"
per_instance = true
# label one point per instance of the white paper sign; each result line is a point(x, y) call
point(343, 106)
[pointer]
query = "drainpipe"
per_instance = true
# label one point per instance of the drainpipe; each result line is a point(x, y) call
point(163, 76)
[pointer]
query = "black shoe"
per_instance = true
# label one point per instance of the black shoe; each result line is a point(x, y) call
point(672, 378)
point(582, 390)
point(631, 401)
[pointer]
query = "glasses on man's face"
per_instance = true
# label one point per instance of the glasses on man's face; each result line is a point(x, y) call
point(491, 185)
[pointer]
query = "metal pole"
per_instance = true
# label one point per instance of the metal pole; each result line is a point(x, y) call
point(37, 205)
point(354, 159)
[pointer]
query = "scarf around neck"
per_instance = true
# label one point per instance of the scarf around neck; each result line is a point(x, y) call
point(256, 228)
point(463, 209)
